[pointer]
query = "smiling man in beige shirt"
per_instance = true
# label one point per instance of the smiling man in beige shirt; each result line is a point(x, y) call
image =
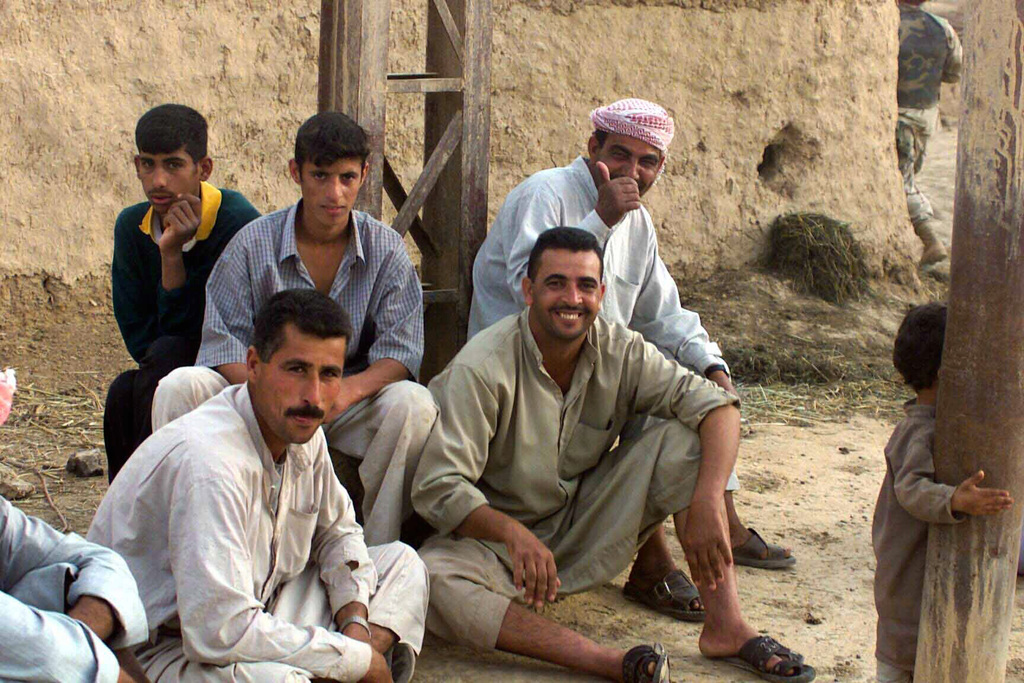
point(531, 500)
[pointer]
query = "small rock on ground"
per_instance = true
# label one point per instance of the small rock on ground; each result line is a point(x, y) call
point(86, 463)
point(12, 487)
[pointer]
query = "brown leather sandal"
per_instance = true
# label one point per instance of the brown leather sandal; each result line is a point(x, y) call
point(675, 596)
point(637, 665)
point(756, 652)
point(760, 554)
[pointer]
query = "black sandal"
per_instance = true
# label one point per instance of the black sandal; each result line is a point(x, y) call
point(756, 652)
point(675, 596)
point(760, 554)
point(636, 665)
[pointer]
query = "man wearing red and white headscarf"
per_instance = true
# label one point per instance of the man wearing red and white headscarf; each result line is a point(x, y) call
point(602, 193)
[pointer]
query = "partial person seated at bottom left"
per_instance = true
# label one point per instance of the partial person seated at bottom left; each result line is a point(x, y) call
point(70, 608)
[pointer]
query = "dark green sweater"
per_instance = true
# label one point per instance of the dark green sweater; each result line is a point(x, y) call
point(144, 310)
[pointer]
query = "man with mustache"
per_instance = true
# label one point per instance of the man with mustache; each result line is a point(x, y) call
point(245, 546)
point(601, 193)
point(379, 417)
point(164, 250)
point(532, 497)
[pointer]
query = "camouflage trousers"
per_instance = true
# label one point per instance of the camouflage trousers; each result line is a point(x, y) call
point(913, 129)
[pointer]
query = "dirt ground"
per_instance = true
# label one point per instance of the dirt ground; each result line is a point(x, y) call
point(819, 399)
point(820, 403)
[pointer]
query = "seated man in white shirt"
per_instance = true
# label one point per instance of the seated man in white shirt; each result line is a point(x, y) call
point(70, 608)
point(601, 193)
point(245, 546)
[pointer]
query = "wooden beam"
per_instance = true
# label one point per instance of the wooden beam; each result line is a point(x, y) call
point(455, 213)
point(970, 576)
point(424, 85)
point(445, 14)
point(440, 296)
point(398, 196)
point(353, 62)
point(328, 51)
point(431, 172)
point(476, 141)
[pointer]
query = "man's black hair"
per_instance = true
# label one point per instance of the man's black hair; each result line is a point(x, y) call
point(600, 136)
point(917, 353)
point(570, 239)
point(308, 310)
point(328, 137)
point(169, 127)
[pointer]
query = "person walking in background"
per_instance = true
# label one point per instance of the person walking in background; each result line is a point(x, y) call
point(930, 55)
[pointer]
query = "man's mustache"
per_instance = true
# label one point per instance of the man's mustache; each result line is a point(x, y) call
point(305, 411)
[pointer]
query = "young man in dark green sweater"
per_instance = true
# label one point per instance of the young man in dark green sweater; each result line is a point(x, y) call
point(164, 250)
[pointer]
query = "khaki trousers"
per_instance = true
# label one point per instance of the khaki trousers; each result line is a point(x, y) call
point(914, 128)
point(386, 433)
point(398, 604)
point(618, 505)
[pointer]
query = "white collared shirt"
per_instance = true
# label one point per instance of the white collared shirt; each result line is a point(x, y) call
point(192, 513)
point(640, 294)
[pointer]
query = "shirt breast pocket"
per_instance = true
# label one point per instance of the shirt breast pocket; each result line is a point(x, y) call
point(585, 448)
point(619, 299)
point(296, 542)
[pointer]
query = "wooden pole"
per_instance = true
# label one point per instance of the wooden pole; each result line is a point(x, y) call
point(352, 72)
point(971, 567)
point(456, 211)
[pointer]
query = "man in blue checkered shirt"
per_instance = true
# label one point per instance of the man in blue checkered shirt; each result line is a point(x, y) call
point(383, 417)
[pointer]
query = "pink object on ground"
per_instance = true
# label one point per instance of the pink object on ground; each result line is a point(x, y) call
point(8, 385)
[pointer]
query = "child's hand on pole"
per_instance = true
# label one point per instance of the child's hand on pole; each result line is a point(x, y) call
point(974, 500)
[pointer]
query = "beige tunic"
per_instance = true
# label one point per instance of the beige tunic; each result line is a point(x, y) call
point(508, 438)
point(910, 499)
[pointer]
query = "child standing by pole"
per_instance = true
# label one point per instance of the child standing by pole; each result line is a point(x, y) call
point(911, 499)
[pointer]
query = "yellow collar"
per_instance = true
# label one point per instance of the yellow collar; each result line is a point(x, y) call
point(211, 197)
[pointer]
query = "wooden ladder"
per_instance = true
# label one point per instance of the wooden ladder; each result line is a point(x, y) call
point(446, 209)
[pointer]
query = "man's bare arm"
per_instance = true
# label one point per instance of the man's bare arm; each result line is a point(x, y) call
point(533, 564)
point(97, 614)
point(179, 226)
point(721, 378)
point(235, 373)
point(353, 609)
point(706, 537)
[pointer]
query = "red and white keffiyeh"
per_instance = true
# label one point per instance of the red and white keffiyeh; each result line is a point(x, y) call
point(638, 119)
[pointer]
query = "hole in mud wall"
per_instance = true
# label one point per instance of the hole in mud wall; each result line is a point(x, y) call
point(788, 156)
point(769, 166)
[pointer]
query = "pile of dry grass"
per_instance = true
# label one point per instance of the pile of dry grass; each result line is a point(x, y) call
point(819, 253)
point(804, 405)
